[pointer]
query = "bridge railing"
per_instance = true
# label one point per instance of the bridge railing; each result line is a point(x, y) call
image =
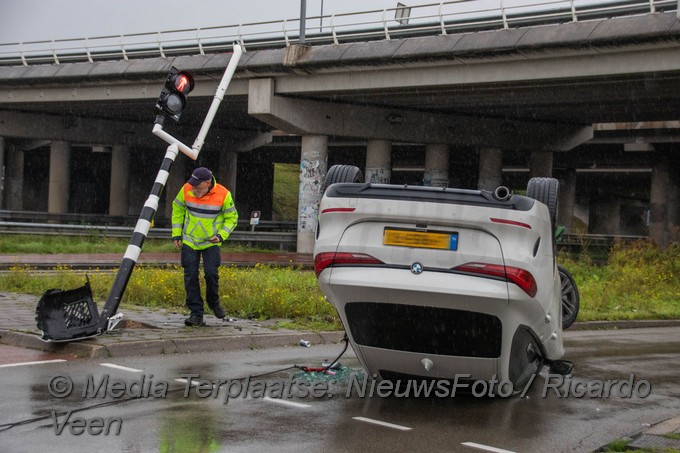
point(385, 24)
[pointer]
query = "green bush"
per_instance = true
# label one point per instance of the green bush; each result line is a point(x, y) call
point(640, 281)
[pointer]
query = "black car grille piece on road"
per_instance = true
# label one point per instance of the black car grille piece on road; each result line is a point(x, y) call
point(427, 330)
point(67, 314)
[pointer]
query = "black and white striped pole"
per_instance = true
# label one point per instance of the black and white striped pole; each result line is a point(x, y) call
point(134, 248)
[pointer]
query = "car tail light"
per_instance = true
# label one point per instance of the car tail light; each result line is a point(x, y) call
point(329, 210)
point(327, 259)
point(511, 222)
point(519, 277)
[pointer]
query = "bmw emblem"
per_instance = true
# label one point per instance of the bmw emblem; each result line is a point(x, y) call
point(416, 268)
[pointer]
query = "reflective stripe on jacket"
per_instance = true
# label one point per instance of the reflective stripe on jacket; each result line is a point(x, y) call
point(196, 220)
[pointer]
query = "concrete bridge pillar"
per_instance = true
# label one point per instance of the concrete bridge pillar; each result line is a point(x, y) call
point(226, 174)
point(14, 179)
point(664, 203)
point(119, 192)
point(674, 200)
point(436, 165)
point(540, 164)
point(176, 180)
point(58, 193)
point(567, 198)
point(378, 161)
point(490, 168)
point(2, 172)
point(605, 215)
point(313, 166)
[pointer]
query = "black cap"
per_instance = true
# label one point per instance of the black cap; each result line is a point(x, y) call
point(199, 175)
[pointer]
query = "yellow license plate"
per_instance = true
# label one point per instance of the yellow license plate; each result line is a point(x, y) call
point(421, 239)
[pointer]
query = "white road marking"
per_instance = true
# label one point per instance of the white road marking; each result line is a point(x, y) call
point(486, 447)
point(286, 402)
point(119, 367)
point(32, 363)
point(378, 422)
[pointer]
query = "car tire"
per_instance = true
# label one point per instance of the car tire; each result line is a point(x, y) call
point(342, 173)
point(545, 191)
point(570, 298)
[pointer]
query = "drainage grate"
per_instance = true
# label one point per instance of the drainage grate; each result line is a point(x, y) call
point(654, 441)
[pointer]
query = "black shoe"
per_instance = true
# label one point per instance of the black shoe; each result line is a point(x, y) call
point(194, 321)
point(219, 313)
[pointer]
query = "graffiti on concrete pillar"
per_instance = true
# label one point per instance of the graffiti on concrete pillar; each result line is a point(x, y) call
point(310, 194)
point(436, 179)
point(378, 175)
point(310, 169)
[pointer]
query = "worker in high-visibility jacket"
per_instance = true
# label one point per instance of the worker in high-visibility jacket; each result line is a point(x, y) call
point(203, 216)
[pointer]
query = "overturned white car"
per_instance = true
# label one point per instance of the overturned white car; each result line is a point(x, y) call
point(434, 283)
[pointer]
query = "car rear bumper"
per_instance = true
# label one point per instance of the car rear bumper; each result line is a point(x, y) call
point(464, 325)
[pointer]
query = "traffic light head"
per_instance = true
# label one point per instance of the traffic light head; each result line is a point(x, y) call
point(173, 100)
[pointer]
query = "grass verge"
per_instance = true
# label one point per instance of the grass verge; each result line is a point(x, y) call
point(42, 244)
point(261, 292)
point(639, 282)
point(286, 189)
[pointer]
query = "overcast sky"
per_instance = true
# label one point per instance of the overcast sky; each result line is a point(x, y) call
point(34, 20)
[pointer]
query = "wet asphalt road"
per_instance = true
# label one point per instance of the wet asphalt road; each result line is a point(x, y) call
point(169, 421)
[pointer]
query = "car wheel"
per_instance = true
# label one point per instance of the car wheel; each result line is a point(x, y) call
point(570, 298)
point(545, 191)
point(342, 173)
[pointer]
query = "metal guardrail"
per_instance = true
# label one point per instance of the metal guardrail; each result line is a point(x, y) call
point(285, 240)
point(109, 220)
point(594, 241)
point(423, 20)
point(39, 216)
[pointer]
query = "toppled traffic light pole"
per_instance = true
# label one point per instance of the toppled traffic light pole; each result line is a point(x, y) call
point(72, 314)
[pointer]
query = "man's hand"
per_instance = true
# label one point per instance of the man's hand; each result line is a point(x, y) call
point(215, 239)
point(178, 243)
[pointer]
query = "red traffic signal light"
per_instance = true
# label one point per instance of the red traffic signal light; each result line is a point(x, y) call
point(183, 82)
point(172, 100)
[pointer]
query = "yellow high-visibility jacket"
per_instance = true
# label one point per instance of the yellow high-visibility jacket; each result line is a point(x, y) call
point(196, 220)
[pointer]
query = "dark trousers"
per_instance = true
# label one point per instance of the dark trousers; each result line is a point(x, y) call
point(211, 263)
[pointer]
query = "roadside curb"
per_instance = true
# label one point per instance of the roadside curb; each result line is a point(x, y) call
point(91, 349)
point(96, 348)
point(654, 438)
point(26, 340)
point(628, 324)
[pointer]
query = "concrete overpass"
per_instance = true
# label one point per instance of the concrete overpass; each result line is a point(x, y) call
point(595, 103)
